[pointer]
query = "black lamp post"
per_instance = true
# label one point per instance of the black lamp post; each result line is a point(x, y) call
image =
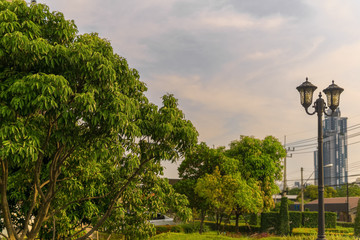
point(332, 93)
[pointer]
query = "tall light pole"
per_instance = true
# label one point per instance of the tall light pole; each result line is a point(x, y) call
point(306, 90)
point(302, 190)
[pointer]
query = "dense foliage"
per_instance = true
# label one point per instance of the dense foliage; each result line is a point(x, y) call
point(311, 192)
point(351, 190)
point(78, 138)
point(259, 160)
point(249, 168)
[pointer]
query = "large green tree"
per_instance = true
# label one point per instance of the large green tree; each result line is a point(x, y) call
point(259, 160)
point(218, 191)
point(78, 137)
point(198, 162)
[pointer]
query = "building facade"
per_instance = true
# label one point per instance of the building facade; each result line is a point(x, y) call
point(335, 152)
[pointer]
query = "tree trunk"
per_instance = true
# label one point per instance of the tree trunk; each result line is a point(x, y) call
point(217, 220)
point(247, 224)
point(237, 215)
point(202, 218)
point(219, 226)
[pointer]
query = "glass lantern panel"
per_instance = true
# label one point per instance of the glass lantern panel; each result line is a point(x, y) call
point(308, 97)
point(329, 99)
point(336, 99)
point(302, 97)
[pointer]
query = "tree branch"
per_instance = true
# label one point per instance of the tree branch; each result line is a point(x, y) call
point(112, 203)
point(28, 216)
point(3, 235)
point(77, 201)
point(4, 203)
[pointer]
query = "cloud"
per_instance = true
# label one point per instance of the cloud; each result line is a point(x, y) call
point(259, 55)
point(232, 64)
point(242, 21)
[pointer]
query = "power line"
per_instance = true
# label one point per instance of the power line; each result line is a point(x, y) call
point(300, 143)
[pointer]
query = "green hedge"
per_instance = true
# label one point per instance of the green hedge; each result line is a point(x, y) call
point(270, 220)
point(330, 219)
point(231, 228)
point(193, 227)
point(345, 224)
point(295, 219)
point(254, 219)
point(310, 219)
point(162, 229)
point(170, 228)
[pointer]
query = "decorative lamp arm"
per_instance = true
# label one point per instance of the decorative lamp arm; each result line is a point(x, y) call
point(307, 111)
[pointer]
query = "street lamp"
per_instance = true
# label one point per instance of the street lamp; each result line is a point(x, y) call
point(306, 90)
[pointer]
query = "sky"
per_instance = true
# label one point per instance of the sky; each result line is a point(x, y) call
point(234, 65)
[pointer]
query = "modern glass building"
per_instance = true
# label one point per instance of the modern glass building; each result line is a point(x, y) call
point(335, 152)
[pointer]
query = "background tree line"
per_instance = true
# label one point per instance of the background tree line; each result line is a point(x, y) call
point(311, 191)
point(238, 180)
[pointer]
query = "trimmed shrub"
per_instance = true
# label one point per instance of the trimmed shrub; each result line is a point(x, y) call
point(283, 226)
point(310, 219)
point(269, 221)
point(176, 228)
point(295, 220)
point(330, 220)
point(357, 221)
point(162, 229)
point(254, 219)
point(193, 227)
point(345, 224)
point(231, 228)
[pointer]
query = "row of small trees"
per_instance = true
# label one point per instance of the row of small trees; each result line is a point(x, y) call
point(238, 180)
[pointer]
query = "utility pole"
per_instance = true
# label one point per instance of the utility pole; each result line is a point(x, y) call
point(285, 180)
point(284, 189)
point(302, 190)
point(347, 202)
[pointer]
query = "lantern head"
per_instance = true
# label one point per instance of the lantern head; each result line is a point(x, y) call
point(306, 90)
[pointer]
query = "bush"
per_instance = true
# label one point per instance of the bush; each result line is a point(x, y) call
point(176, 228)
point(193, 227)
point(345, 224)
point(330, 219)
point(310, 219)
point(295, 220)
point(269, 221)
point(162, 229)
point(254, 219)
point(231, 228)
